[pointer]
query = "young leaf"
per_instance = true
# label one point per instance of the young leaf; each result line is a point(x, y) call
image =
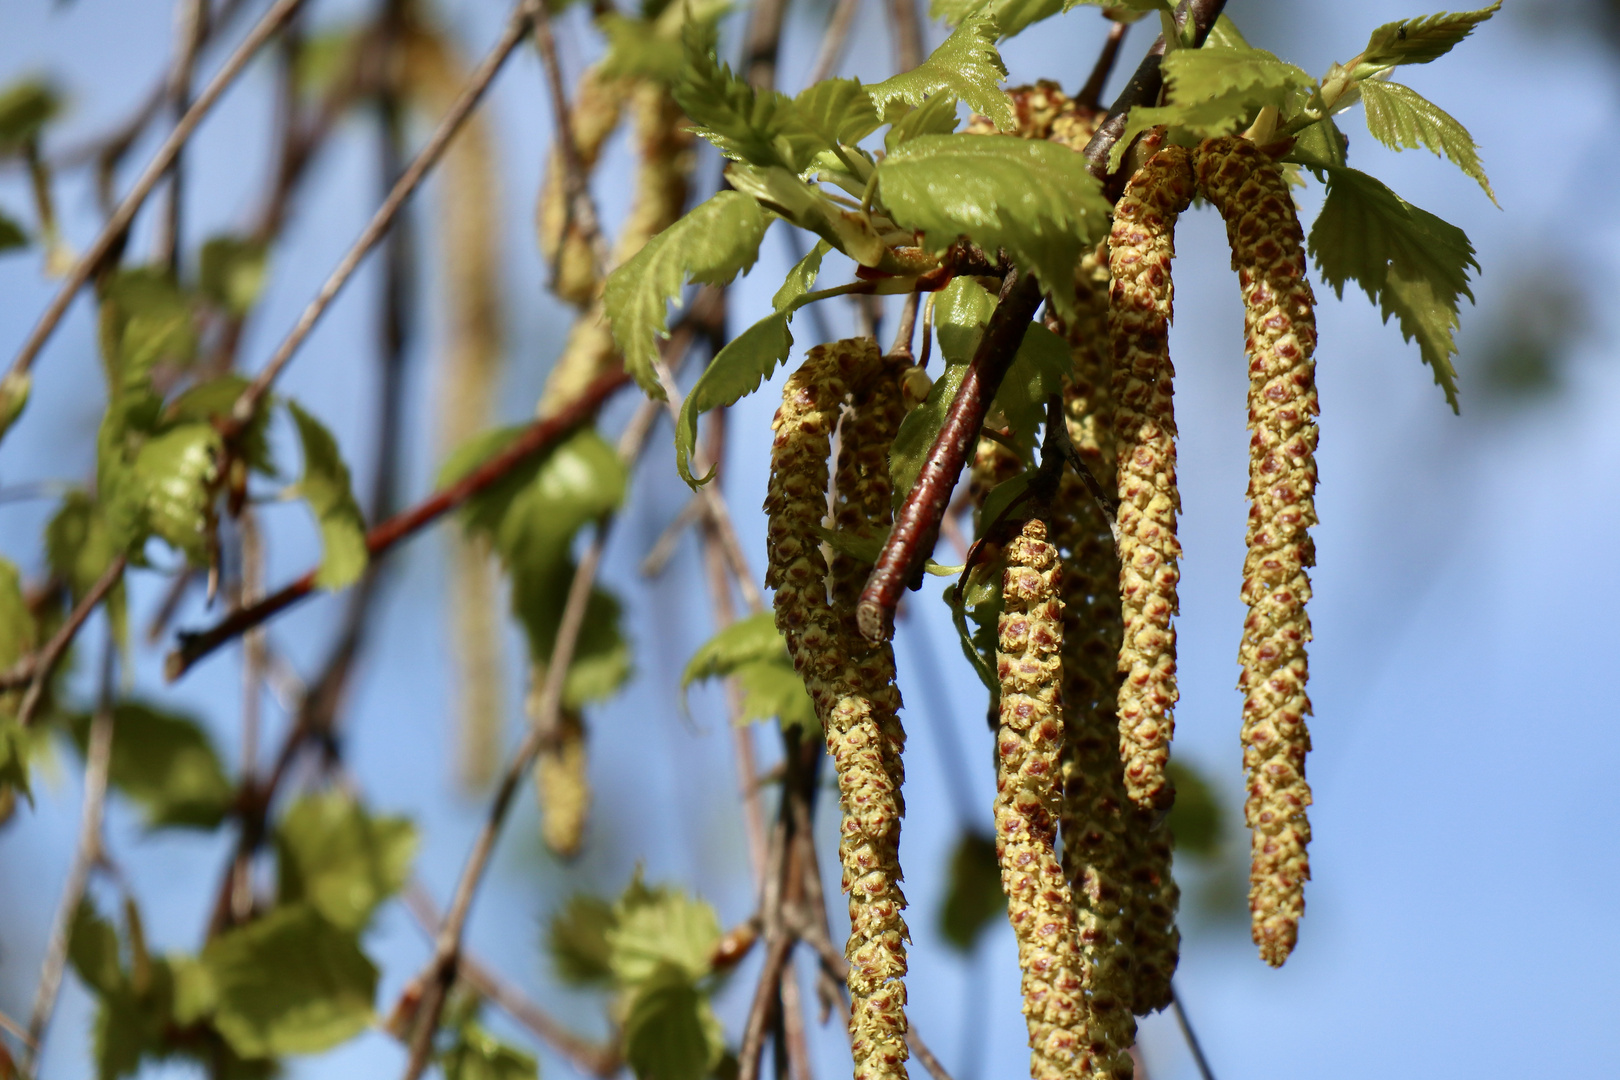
point(1010, 16)
point(973, 896)
point(1039, 370)
point(664, 928)
point(747, 360)
point(577, 940)
point(807, 206)
point(760, 127)
point(232, 272)
point(936, 116)
point(1035, 199)
point(291, 983)
point(1196, 820)
point(838, 110)
point(771, 688)
point(1413, 264)
point(1319, 146)
point(174, 473)
point(333, 855)
point(211, 401)
point(1401, 118)
point(145, 318)
point(712, 243)
point(651, 48)
point(670, 1032)
point(752, 651)
point(744, 641)
point(165, 763)
point(14, 388)
point(12, 236)
point(325, 487)
point(966, 66)
point(919, 430)
point(1225, 35)
point(1418, 41)
point(479, 1055)
point(26, 107)
point(93, 950)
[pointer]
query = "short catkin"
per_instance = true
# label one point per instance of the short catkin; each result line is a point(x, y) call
point(1268, 253)
point(851, 683)
point(563, 787)
point(1141, 246)
point(1029, 742)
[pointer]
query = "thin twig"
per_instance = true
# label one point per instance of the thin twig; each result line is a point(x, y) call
point(764, 43)
point(36, 670)
point(246, 405)
point(907, 328)
point(113, 232)
point(906, 23)
point(1091, 93)
point(663, 549)
point(191, 20)
point(539, 437)
point(834, 41)
point(1191, 1036)
point(97, 759)
point(580, 211)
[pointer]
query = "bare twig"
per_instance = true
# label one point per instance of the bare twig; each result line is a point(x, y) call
point(97, 759)
point(539, 437)
point(906, 22)
point(191, 20)
point(113, 232)
point(1191, 1036)
point(580, 210)
point(1091, 93)
point(246, 405)
point(663, 549)
point(764, 43)
point(36, 670)
point(835, 40)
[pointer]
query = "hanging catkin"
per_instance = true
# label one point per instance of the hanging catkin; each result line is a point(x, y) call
point(467, 207)
point(594, 113)
point(1268, 253)
point(563, 786)
point(1028, 744)
point(850, 682)
point(1141, 246)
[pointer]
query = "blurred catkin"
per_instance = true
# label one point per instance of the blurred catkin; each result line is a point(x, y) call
point(1141, 246)
point(1028, 743)
point(1268, 253)
point(594, 113)
point(851, 682)
point(562, 786)
point(467, 204)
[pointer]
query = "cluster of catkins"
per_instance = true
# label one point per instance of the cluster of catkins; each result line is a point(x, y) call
point(1085, 650)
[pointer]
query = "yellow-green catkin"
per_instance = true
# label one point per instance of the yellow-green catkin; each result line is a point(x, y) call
point(1268, 253)
point(594, 113)
point(1029, 742)
point(1141, 246)
point(850, 683)
point(563, 787)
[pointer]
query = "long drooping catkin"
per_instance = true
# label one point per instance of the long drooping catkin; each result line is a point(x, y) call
point(1028, 744)
point(467, 205)
point(561, 782)
point(1141, 246)
point(1268, 253)
point(851, 684)
point(594, 113)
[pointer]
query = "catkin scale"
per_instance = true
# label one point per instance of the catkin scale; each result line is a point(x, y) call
point(851, 683)
point(1029, 743)
point(1268, 253)
point(1141, 245)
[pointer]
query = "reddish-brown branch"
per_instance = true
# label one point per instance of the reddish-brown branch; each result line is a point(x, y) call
point(539, 437)
point(1091, 93)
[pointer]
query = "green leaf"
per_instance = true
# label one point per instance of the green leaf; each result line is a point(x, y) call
point(936, 116)
point(12, 236)
point(211, 401)
point(651, 48)
point(663, 927)
point(577, 940)
point(746, 361)
point(333, 855)
point(1214, 92)
point(966, 66)
point(79, 547)
point(1401, 118)
point(712, 243)
point(1225, 35)
point(1010, 16)
point(744, 641)
point(1319, 146)
point(26, 106)
point(919, 430)
point(291, 983)
point(165, 763)
point(1411, 263)
point(1035, 199)
point(14, 388)
point(807, 206)
point(670, 1032)
point(838, 111)
point(1040, 369)
point(762, 127)
point(772, 689)
point(173, 475)
point(1196, 820)
point(145, 319)
point(479, 1055)
point(232, 272)
point(18, 637)
point(1417, 41)
point(325, 487)
point(93, 950)
point(752, 650)
point(973, 896)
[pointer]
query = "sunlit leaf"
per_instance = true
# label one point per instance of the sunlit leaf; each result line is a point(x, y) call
point(966, 66)
point(341, 860)
point(1418, 41)
point(1401, 118)
point(670, 1032)
point(326, 488)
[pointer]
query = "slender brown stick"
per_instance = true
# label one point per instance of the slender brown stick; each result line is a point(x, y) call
point(835, 40)
point(191, 18)
point(1091, 93)
point(98, 758)
point(539, 437)
point(581, 211)
point(1191, 1036)
point(113, 232)
point(409, 180)
point(906, 22)
point(36, 670)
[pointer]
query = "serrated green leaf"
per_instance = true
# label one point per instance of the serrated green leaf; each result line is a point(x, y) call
point(1197, 821)
point(936, 116)
point(1214, 92)
point(746, 361)
point(1040, 369)
point(479, 1055)
point(290, 983)
point(12, 235)
point(1319, 146)
point(165, 763)
point(744, 641)
point(772, 689)
point(26, 106)
point(1411, 263)
point(966, 66)
point(326, 488)
point(174, 473)
point(761, 127)
point(576, 937)
point(643, 48)
point(1417, 41)
point(670, 1031)
point(232, 272)
point(838, 110)
point(712, 243)
point(973, 896)
point(658, 928)
point(1401, 118)
point(752, 651)
point(1035, 199)
point(333, 855)
point(145, 319)
point(807, 206)
point(1011, 16)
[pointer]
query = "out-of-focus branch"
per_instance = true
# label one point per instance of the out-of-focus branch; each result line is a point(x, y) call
point(35, 671)
point(580, 210)
point(905, 22)
point(191, 26)
point(835, 40)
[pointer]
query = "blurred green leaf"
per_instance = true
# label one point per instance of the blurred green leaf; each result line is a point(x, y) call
point(165, 763)
point(79, 547)
point(1196, 820)
point(291, 983)
point(326, 488)
point(973, 896)
point(12, 235)
point(232, 272)
point(577, 940)
point(93, 950)
point(661, 927)
point(173, 474)
point(341, 860)
point(752, 638)
point(26, 106)
point(478, 1055)
point(1040, 369)
point(211, 401)
point(670, 1032)
point(145, 319)
point(1010, 16)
